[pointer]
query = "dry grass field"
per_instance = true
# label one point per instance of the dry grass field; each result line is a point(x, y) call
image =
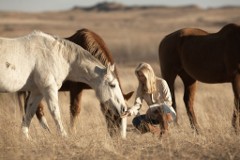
point(132, 36)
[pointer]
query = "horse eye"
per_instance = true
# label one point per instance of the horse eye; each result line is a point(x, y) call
point(112, 85)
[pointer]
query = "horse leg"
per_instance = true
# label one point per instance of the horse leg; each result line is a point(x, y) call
point(75, 108)
point(21, 95)
point(236, 112)
point(32, 103)
point(51, 96)
point(39, 112)
point(41, 118)
point(189, 93)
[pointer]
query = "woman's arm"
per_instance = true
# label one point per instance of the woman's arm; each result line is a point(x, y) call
point(137, 104)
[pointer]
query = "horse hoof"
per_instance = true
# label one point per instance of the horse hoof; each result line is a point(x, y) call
point(64, 134)
point(44, 123)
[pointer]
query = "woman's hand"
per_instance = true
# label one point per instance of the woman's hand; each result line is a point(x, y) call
point(126, 114)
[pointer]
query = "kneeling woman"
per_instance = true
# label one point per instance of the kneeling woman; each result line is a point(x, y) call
point(156, 93)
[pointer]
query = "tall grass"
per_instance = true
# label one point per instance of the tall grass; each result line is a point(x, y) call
point(213, 109)
point(132, 37)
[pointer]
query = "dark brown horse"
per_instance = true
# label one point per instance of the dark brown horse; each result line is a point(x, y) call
point(93, 43)
point(196, 55)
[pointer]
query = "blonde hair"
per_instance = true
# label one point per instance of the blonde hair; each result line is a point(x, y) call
point(150, 85)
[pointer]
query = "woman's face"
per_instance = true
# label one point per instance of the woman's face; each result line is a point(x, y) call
point(141, 77)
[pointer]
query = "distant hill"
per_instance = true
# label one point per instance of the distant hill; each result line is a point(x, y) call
point(113, 6)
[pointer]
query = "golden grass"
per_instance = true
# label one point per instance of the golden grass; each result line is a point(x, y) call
point(132, 36)
point(213, 109)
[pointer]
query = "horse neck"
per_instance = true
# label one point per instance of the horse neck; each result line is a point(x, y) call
point(83, 69)
point(95, 45)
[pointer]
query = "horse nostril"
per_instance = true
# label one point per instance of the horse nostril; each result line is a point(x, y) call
point(123, 109)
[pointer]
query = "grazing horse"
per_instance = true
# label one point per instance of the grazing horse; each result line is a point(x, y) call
point(93, 43)
point(196, 55)
point(40, 62)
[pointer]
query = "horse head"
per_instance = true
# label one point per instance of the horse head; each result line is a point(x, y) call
point(110, 94)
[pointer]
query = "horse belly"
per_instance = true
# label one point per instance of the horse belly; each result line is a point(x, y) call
point(206, 74)
point(11, 78)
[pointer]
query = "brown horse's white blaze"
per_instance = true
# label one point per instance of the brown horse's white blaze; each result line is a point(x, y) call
point(196, 55)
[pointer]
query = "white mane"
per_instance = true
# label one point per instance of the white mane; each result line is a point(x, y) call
point(42, 34)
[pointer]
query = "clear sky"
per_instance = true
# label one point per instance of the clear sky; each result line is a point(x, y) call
point(53, 5)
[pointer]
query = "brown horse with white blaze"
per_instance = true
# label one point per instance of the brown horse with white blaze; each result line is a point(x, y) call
point(195, 55)
point(93, 43)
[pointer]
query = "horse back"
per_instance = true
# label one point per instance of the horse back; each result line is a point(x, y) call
point(23, 58)
point(211, 58)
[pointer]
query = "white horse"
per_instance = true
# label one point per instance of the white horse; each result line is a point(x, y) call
point(40, 63)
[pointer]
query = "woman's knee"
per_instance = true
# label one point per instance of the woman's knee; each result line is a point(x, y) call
point(137, 120)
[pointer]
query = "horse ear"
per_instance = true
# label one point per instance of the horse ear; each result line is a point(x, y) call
point(111, 67)
point(128, 95)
